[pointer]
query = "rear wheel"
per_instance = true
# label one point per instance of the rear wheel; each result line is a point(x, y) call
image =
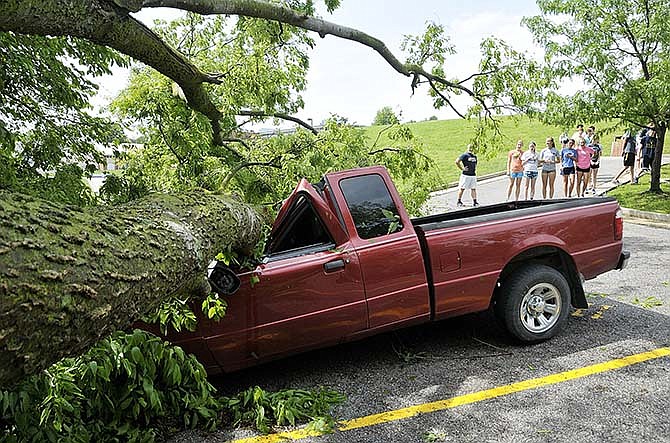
point(534, 302)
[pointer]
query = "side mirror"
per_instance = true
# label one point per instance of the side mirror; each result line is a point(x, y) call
point(222, 279)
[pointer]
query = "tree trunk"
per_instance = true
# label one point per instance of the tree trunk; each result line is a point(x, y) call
point(655, 185)
point(69, 276)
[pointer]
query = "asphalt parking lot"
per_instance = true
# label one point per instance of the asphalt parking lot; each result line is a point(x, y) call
point(464, 368)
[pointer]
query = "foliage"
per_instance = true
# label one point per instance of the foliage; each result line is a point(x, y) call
point(137, 387)
point(45, 124)
point(502, 85)
point(385, 116)
point(126, 388)
point(264, 410)
point(618, 50)
point(629, 196)
point(65, 184)
point(119, 188)
point(264, 72)
point(272, 166)
point(265, 66)
point(647, 303)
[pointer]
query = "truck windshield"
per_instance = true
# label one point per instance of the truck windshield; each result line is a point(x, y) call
point(371, 206)
point(302, 228)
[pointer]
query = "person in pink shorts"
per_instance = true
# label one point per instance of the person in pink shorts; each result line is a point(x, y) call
point(583, 165)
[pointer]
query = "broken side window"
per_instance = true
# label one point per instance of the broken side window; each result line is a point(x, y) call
point(302, 228)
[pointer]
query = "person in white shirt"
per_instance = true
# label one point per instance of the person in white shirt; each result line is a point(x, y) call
point(579, 134)
point(549, 157)
point(530, 160)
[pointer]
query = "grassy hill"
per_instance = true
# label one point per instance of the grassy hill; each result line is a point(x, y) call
point(445, 140)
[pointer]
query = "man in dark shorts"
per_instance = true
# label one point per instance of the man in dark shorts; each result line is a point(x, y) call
point(628, 158)
point(648, 149)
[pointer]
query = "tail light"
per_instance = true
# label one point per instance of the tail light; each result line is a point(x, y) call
point(618, 224)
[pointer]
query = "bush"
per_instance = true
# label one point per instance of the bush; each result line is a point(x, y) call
point(137, 387)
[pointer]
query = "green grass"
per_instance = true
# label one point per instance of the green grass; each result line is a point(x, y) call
point(445, 140)
point(638, 196)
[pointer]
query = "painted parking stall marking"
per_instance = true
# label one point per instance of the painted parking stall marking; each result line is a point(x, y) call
point(441, 405)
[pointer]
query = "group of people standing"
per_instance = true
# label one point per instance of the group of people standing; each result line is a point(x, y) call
point(577, 162)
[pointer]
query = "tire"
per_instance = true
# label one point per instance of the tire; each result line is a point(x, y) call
point(533, 303)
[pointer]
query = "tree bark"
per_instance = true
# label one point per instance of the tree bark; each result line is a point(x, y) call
point(70, 276)
point(655, 182)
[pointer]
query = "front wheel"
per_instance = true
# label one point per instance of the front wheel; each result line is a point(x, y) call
point(534, 302)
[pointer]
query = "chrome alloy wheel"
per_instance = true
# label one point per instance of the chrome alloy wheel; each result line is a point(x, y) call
point(540, 308)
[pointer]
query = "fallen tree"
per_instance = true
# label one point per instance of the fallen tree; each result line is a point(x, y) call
point(70, 276)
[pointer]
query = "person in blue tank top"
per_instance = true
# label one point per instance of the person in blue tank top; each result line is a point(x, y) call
point(568, 158)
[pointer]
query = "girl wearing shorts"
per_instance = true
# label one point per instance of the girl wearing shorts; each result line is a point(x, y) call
point(583, 166)
point(628, 158)
point(529, 160)
point(548, 159)
point(515, 169)
point(568, 157)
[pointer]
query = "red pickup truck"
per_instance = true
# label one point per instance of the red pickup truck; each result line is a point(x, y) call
point(345, 261)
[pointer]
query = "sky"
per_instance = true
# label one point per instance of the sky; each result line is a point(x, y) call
point(353, 81)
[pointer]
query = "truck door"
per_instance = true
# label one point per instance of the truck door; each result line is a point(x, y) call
point(387, 246)
point(309, 293)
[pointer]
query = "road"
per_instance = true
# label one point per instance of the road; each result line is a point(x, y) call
point(471, 355)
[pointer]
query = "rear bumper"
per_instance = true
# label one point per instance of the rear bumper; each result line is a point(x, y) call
point(623, 260)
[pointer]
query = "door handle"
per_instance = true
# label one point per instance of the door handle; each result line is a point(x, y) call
point(333, 266)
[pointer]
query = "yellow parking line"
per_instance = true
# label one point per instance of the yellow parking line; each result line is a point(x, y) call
point(461, 400)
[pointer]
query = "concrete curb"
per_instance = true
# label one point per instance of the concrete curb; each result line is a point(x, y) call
point(655, 216)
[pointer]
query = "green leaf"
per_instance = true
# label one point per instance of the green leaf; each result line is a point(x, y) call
point(254, 280)
point(136, 355)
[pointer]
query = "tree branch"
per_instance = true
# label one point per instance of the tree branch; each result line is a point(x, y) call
point(236, 140)
point(397, 150)
point(379, 134)
point(446, 99)
point(168, 144)
point(272, 164)
point(249, 113)
point(268, 11)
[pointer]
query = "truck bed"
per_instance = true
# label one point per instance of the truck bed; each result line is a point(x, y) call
point(467, 252)
point(502, 211)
